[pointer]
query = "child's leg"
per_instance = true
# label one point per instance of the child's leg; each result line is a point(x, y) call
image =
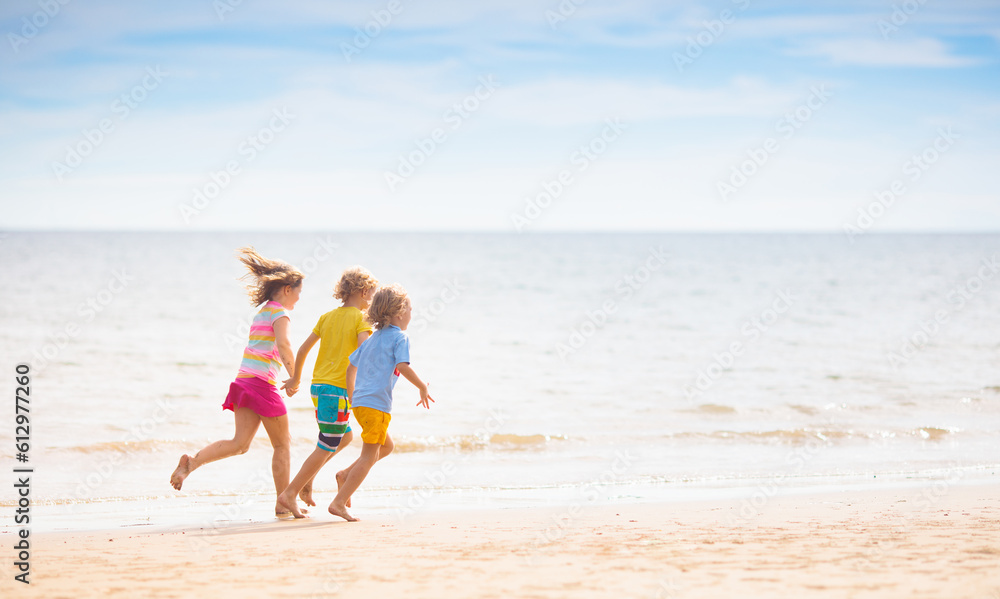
point(355, 476)
point(306, 491)
point(303, 480)
point(332, 417)
point(277, 432)
point(387, 447)
point(384, 450)
point(312, 465)
point(247, 422)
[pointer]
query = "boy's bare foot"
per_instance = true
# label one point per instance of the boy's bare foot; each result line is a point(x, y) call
point(306, 494)
point(341, 510)
point(287, 506)
point(341, 477)
point(183, 469)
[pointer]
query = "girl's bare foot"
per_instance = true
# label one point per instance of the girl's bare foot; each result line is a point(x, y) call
point(306, 494)
point(341, 510)
point(181, 472)
point(287, 506)
point(341, 477)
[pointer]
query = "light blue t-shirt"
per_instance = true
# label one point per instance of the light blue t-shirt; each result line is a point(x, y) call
point(376, 361)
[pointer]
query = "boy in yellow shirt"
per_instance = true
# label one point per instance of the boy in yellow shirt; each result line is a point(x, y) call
point(340, 332)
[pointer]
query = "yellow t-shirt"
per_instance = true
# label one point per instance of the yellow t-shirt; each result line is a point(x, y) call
point(338, 332)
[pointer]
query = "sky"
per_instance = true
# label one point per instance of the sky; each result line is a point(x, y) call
point(514, 115)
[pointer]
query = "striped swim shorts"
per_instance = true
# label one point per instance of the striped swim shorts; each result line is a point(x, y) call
point(332, 414)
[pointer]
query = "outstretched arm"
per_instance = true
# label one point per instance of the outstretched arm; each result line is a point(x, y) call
point(411, 375)
point(291, 386)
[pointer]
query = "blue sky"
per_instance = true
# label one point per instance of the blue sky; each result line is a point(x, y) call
point(507, 116)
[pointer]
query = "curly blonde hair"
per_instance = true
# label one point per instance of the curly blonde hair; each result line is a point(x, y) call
point(354, 279)
point(266, 276)
point(388, 302)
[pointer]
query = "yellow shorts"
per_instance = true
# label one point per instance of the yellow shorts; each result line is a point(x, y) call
point(374, 424)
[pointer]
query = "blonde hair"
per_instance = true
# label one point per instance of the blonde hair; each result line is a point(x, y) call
point(389, 301)
point(266, 276)
point(354, 279)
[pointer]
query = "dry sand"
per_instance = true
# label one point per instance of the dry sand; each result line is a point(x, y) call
point(932, 541)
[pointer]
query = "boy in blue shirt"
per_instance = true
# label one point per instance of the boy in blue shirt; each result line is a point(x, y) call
point(375, 368)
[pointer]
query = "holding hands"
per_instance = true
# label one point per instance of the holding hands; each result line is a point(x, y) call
point(291, 386)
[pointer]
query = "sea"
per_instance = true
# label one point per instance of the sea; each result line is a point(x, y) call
point(567, 369)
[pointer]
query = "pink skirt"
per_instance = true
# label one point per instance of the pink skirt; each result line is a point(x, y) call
point(259, 396)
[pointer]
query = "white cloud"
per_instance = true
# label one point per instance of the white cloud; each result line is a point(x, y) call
point(559, 102)
point(922, 52)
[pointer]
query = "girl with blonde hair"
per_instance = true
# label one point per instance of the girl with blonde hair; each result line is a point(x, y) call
point(253, 397)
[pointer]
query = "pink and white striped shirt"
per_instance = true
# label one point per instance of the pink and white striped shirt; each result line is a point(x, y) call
point(260, 358)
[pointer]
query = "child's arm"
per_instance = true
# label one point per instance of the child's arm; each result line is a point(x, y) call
point(281, 339)
point(408, 372)
point(352, 370)
point(352, 375)
point(291, 386)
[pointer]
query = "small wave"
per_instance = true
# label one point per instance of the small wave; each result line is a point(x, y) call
point(931, 433)
point(118, 446)
point(528, 440)
point(510, 442)
point(711, 408)
point(806, 435)
point(147, 446)
point(779, 436)
point(503, 442)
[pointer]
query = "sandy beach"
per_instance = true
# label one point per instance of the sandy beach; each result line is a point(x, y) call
point(935, 540)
